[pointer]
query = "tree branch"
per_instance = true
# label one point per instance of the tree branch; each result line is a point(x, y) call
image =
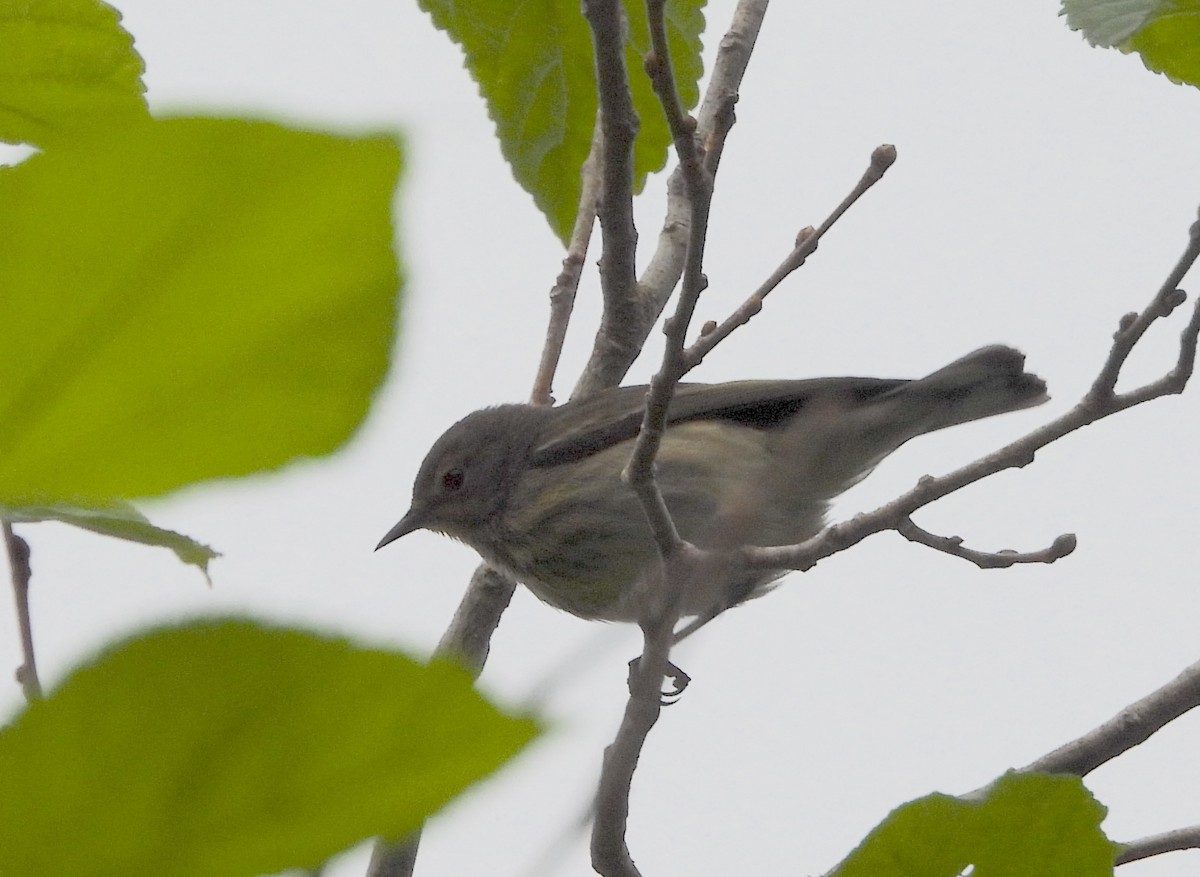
point(1131, 726)
point(952, 545)
point(20, 573)
point(662, 78)
point(1134, 326)
point(711, 335)
point(619, 127)
point(1157, 844)
point(562, 294)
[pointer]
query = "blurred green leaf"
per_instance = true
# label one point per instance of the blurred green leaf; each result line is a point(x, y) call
point(225, 748)
point(1027, 824)
point(120, 520)
point(65, 66)
point(1108, 23)
point(1165, 33)
point(189, 299)
point(534, 65)
point(1170, 43)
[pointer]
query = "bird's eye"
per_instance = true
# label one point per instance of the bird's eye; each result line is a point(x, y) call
point(452, 480)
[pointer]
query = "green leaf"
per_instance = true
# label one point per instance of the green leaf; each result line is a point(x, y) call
point(1108, 23)
point(1170, 43)
point(1027, 824)
point(1165, 33)
point(120, 520)
point(225, 748)
point(533, 62)
point(189, 299)
point(65, 66)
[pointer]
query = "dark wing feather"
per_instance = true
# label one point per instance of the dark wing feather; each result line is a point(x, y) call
point(589, 426)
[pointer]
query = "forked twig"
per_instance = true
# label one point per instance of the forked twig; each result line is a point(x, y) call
point(953, 545)
point(806, 244)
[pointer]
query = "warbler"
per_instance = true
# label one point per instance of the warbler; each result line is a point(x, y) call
point(537, 490)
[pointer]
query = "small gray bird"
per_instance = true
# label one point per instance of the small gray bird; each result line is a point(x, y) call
point(537, 491)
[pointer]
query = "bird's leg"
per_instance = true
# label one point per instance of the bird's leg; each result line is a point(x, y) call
point(679, 682)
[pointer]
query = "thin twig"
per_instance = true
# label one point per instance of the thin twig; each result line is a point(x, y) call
point(1157, 844)
point(882, 158)
point(639, 472)
point(562, 294)
point(697, 184)
point(1131, 726)
point(662, 77)
point(610, 853)
point(21, 572)
point(953, 545)
point(1134, 326)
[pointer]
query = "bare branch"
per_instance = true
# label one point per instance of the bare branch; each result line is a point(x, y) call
point(394, 860)
point(20, 573)
point(1134, 326)
point(639, 473)
point(562, 294)
point(1131, 726)
point(662, 78)
point(953, 545)
point(468, 637)
point(619, 127)
point(1157, 844)
point(610, 853)
point(697, 184)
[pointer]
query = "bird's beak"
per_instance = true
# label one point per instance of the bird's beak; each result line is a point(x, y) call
point(411, 521)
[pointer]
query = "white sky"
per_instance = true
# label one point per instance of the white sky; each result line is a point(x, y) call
point(1043, 189)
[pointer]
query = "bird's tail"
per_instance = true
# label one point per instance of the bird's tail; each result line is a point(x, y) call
point(990, 381)
point(842, 444)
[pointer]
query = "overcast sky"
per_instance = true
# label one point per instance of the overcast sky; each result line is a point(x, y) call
point(1043, 189)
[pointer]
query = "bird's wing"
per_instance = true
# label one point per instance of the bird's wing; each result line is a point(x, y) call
point(610, 417)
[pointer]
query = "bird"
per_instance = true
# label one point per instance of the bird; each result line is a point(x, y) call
point(537, 491)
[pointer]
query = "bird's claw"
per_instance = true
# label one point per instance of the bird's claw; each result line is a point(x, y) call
point(679, 682)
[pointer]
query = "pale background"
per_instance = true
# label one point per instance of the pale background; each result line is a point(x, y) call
point(1043, 189)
